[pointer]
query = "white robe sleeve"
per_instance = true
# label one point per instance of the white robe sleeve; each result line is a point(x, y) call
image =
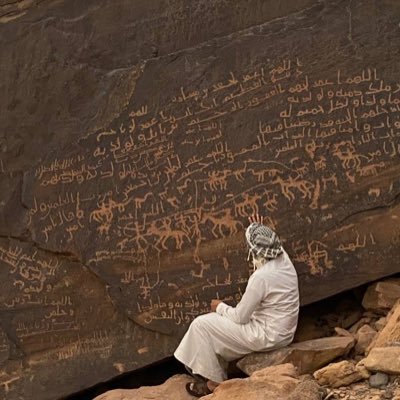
point(252, 297)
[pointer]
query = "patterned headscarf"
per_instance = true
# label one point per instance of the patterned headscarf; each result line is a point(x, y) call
point(263, 241)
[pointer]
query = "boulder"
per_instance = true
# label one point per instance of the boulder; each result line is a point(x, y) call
point(381, 296)
point(383, 359)
point(390, 333)
point(172, 389)
point(364, 337)
point(378, 380)
point(306, 356)
point(362, 321)
point(276, 382)
point(342, 373)
point(343, 332)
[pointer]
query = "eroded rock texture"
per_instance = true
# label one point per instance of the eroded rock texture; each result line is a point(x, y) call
point(137, 138)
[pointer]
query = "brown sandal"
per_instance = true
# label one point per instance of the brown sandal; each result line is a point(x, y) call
point(198, 389)
point(195, 376)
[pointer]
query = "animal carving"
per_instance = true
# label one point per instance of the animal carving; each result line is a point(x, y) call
point(217, 180)
point(248, 206)
point(346, 153)
point(271, 202)
point(222, 220)
point(370, 170)
point(166, 232)
point(305, 187)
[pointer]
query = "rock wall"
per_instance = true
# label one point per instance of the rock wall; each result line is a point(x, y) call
point(135, 141)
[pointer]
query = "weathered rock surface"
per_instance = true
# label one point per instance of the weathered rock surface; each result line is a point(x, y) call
point(380, 323)
point(276, 382)
point(390, 333)
point(381, 296)
point(364, 337)
point(383, 359)
point(134, 143)
point(342, 373)
point(305, 356)
point(363, 321)
point(307, 390)
point(362, 391)
point(343, 332)
point(172, 389)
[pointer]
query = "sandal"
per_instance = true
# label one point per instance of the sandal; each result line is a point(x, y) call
point(198, 389)
point(195, 376)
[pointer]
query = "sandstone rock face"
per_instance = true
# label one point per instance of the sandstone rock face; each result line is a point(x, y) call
point(134, 143)
point(305, 356)
point(277, 382)
point(339, 374)
point(383, 359)
point(382, 296)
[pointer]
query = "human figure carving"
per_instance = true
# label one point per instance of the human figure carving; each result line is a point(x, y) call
point(135, 235)
point(103, 215)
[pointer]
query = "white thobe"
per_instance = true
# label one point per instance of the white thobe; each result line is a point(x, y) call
point(264, 319)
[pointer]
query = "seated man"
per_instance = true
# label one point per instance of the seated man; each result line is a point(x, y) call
point(264, 319)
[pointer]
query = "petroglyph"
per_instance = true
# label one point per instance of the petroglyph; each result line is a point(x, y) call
point(175, 179)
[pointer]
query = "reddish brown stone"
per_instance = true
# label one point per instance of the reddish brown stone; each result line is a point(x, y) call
point(307, 356)
point(134, 145)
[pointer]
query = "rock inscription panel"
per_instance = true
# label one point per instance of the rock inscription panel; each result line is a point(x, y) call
point(142, 200)
point(123, 236)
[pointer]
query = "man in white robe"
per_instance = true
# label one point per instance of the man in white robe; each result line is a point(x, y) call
point(264, 319)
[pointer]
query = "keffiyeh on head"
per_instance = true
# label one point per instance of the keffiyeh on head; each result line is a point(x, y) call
point(263, 241)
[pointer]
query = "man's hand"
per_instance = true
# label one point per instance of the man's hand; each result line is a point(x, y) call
point(256, 218)
point(214, 304)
